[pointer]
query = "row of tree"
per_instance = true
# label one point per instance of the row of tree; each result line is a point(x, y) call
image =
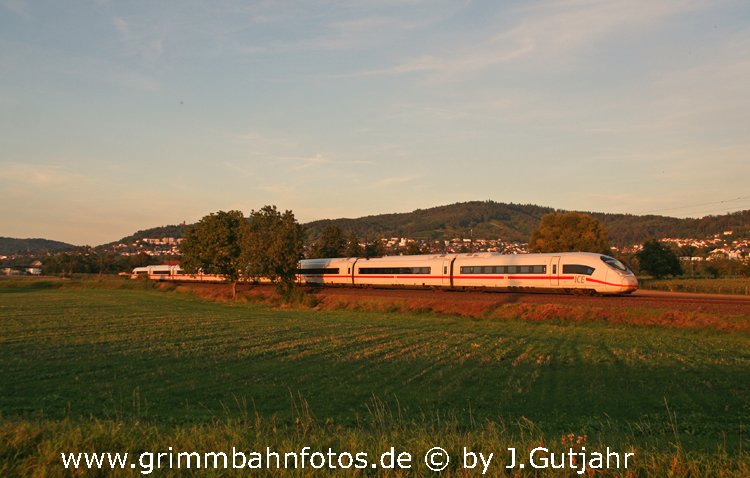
point(576, 232)
point(571, 231)
point(84, 260)
point(334, 243)
point(268, 244)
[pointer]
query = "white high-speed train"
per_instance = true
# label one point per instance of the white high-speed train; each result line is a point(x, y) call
point(571, 272)
point(165, 272)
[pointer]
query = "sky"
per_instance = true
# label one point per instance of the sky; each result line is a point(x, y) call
point(120, 116)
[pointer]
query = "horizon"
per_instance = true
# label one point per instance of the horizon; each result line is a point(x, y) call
point(115, 116)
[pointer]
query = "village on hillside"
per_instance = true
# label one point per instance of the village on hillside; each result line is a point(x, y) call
point(167, 249)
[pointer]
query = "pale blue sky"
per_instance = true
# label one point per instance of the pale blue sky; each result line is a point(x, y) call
point(118, 116)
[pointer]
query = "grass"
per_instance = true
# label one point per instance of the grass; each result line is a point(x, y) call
point(99, 366)
point(740, 286)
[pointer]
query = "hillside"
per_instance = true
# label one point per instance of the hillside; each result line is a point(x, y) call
point(511, 222)
point(515, 222)
point(172, 230)
point(9, 245)
point(483, 219)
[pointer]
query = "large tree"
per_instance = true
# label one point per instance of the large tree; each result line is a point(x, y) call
point(332, 243)
point(274, 247)
point(658, 260)
point(414, 248)
point(353, 247)
point(374, 248)
point(569, 232)
point(215, 246)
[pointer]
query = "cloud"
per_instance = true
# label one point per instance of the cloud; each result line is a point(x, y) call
point(38, 175)
point(237, 168)
point(108, 72)
point(315, 160)
point(49, 63)
point(140, 39)
point(18, 7)
point(265, 143)
point(352, 34)
point(395, 180)
point(326, 26)
point(548, 33)
point(280, 148)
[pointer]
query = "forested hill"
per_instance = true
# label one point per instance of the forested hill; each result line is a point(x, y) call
point(511, 222)
point(9, 245)
point(483, 219)
point(171, 230)
point(515, 222)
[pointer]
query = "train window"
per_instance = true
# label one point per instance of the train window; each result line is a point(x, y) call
point(612, 262)
point(160, 273)
point(318, 271)
point(504, 270)
point(394, 270)
point(577, 269)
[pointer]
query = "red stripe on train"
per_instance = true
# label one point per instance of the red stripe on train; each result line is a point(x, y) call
point(588, 279)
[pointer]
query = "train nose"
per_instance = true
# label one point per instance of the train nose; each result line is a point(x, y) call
point(630, 283)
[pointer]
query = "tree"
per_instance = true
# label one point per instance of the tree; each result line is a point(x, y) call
point(414, 248)
point(332, 243)
point(569, 232)
point(274, 246)
point(658, 259)
point(215, 246)
point(374, 248)
point(688, 251)
point(353, 247)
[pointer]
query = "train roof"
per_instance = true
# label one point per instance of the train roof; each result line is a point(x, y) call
point(410, 258)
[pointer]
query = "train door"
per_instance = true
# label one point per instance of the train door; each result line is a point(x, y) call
point(447, 272)
point(350, 269)
point(555, 270)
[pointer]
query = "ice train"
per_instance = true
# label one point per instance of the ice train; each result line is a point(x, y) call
point(172, 273)
point(570, 272)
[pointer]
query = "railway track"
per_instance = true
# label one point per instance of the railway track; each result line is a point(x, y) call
point(677, 301)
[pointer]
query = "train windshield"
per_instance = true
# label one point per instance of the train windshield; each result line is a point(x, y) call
point(615, 264)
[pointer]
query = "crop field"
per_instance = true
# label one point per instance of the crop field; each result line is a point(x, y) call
point(710, 286)
point(89, 366)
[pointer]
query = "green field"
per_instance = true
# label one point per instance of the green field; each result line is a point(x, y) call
point(136, 367)
point(740, 286)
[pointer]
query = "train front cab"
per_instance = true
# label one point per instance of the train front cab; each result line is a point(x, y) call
point(619, 279)
point(591, 273)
